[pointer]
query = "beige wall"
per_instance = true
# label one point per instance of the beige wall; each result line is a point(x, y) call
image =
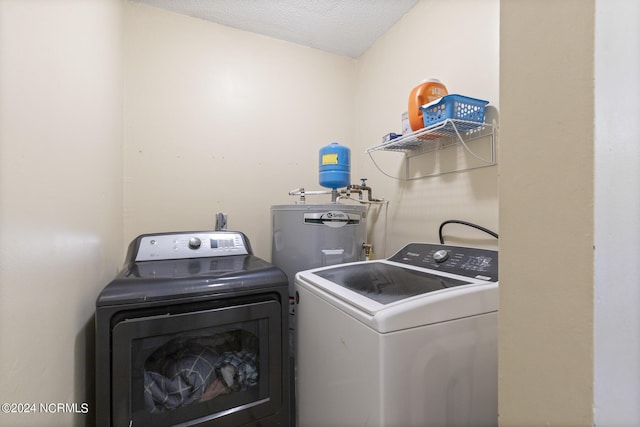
point(456, 42)
point(60, 196)
point(221, 120)
point(205, 103)
point(212, 111)
point(216, 120)
point(546, 213)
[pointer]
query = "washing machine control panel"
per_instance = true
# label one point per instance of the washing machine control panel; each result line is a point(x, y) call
point(469, 262)
point(199, 244)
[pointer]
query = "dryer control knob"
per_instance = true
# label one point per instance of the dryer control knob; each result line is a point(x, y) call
point(441, 256)
point(194, 243)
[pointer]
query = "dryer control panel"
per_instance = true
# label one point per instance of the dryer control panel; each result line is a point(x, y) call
point(197, 244)
point(477, 263)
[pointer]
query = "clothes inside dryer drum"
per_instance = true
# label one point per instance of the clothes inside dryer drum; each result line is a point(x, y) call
point(386, 283)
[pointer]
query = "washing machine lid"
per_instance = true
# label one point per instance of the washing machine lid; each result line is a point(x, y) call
point(420, 285)
point(387, 283)
point(400, 297)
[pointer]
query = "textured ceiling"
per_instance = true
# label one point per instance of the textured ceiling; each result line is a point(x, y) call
point(344, 27)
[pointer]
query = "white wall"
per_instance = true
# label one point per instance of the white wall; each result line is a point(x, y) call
point(617, 209)
point(61, 196)
point(458, 43)
point(222, 120)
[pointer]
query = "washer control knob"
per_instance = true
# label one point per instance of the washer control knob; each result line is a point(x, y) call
point(441, 255)
point(194, 243)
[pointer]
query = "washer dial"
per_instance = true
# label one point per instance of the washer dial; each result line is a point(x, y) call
point(440, 255)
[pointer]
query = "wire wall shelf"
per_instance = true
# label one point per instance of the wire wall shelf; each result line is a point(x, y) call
point(449, 133)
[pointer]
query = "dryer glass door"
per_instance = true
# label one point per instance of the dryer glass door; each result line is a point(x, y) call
point(193, 367)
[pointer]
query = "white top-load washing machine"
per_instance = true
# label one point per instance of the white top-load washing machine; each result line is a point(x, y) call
point(406, 341)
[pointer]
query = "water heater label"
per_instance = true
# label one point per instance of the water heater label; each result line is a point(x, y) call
point(330, 159)
point(332, 219)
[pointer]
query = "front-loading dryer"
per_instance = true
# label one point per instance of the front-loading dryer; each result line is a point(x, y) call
point(406, 341)
point(193, 332)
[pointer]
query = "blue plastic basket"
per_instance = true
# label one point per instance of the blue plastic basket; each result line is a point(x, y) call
point(456, 107)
